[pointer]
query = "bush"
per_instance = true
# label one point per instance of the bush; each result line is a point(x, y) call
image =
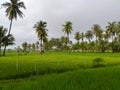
point(98, 62)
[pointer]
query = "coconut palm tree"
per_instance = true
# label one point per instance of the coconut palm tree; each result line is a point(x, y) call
point(8, 40)
point(77, 37)
point(13, 11)
point(24, 46)
point(97, 31)
point(3, 32)
point(111, 29)
point(89, 35)
point(67, 28)
point(41, 31)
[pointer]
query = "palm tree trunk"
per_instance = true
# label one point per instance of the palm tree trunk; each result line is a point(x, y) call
point(82, 37)
point(96, 44)
point(68, 39)
point(78, 41)
point(82, 41)
point(0, 49)
point(0, 46)
point(41, 47)
point(112, 44)
point(4, 50)
point(68, 44)
point(41, 51)
point(7, 35)
point(10, 26)
point(89, 40)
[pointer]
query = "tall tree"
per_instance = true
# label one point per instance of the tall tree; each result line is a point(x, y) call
point(41, 31)
point(97, 32)
point(12, 12)
point(67, 28)
point(111, 29)
point(24, 46)
point(77, 37)
point(89, 35)
point(3, 32)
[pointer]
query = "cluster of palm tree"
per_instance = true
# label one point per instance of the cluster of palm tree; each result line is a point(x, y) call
point(64, 43)
point(29, 47)
point(99, 40)
point(94, 40)
point(12, 12)
point(58, 44)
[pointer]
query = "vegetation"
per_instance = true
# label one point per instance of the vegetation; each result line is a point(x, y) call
point(98, 62)
point(86, 42)
point(94, 40)
point(51, 72)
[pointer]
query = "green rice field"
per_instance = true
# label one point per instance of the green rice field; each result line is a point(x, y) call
point(59, 71)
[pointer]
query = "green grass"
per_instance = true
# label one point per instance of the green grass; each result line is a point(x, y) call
point(91, 79)
point(59, 71)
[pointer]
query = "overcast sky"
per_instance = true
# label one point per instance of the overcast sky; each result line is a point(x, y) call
point(82, 13)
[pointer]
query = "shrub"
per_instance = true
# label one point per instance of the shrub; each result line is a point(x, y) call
point(98, 62)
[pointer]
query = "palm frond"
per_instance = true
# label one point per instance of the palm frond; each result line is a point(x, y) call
point(13, 9)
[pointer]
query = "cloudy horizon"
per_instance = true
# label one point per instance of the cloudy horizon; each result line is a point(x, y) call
point(82, 13)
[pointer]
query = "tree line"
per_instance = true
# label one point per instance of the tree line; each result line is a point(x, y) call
point(94, 40)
